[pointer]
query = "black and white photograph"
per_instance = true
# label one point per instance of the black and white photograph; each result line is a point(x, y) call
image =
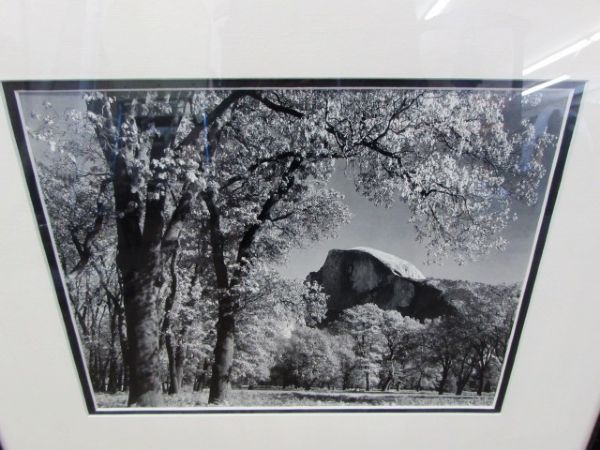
point(293, 245)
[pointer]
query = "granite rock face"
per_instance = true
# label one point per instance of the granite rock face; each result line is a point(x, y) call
point(364, 275)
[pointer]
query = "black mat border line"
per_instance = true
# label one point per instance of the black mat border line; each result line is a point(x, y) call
point(12, 87)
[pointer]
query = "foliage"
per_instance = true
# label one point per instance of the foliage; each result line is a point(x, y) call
point(181, 203)
point(308, 359)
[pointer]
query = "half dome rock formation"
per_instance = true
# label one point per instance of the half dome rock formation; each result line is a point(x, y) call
point(399, 266)
point(364, 275)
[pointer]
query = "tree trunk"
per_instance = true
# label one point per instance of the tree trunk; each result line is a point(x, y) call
point(166, 329)
point(481, 373)
point(113, 369)
point(179, 362)
point(461, 382)
point(92, 367)
point(121, 378)
point(139, 248)
point(224, 348)
point(176, 359)
point(124, 349)
point(480, 381)
point(138, 253)
point(418, 387)
point(139, 293)
point(463, 374)
point(139, 258)
point(225, 327)
point(309, 384)
point(173, 380)
point(391, 376)
point(201, 375)
point(345, 381)
point(104, 374)
point(386, 382)
point(442, 384)
point(220, 381)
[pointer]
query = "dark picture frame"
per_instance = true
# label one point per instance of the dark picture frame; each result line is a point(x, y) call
point(11, 89)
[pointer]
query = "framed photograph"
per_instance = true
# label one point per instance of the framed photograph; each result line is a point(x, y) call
point(262, 245)
point(304, 225)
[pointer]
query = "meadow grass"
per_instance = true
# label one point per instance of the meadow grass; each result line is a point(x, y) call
point(301, 398)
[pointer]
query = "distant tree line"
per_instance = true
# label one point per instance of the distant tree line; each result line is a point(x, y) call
point(281, 341)
point(373, 349)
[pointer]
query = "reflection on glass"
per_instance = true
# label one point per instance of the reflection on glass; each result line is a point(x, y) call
point(436, 9)
point(574, 48)
point(545, 84)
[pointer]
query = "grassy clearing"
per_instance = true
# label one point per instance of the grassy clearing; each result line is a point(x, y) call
point(294, 398)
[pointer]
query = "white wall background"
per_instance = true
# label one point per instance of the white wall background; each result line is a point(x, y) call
point(554, 393)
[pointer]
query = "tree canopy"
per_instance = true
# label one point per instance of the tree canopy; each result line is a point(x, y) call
point(175, 201)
